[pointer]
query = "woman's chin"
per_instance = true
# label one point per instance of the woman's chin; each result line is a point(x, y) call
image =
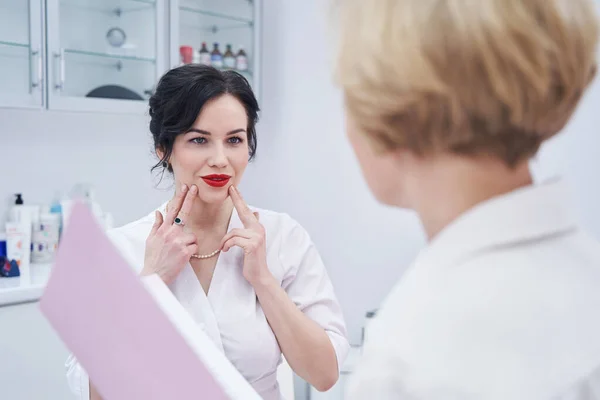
point(216, 197)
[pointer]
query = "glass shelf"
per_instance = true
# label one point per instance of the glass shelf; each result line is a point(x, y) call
point(114, 7)
point(87, 70)
point(110, 56)
point(15, 56)
point(15, 65)
point(216, 15)
point(13, 44)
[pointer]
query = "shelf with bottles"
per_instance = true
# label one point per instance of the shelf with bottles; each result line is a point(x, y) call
point(229, 60)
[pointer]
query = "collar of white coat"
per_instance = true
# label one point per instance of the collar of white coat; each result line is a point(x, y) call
point(525, 214)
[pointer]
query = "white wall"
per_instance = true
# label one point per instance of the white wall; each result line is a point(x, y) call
point(575, 156)
point(43, 152)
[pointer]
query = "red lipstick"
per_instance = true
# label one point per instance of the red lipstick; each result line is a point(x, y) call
point(216, 180)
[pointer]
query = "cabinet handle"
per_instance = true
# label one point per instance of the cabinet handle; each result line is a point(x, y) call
point(60, 58)
point(36, 62)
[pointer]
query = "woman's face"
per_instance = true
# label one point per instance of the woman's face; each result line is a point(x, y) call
point(213, 154)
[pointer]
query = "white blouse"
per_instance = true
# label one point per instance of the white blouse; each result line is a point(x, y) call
point(230, 314)
point(503, 304)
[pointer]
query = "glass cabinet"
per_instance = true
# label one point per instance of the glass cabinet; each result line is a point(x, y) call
point(21, 54)
point(107, 55)
point(222, 33)
point(103, 54)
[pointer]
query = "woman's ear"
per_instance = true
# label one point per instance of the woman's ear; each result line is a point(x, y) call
point(161, 154)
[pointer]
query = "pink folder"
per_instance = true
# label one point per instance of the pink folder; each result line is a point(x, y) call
point(131, 336)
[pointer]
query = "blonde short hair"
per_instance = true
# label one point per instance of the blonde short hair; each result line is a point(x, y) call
point(493, 77)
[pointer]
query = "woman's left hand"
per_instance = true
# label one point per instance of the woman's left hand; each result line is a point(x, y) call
point(252, 239)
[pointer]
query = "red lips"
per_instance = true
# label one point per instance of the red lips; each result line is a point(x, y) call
point(216, 180)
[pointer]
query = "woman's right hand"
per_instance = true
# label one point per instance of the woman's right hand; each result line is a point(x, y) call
point(168, 247)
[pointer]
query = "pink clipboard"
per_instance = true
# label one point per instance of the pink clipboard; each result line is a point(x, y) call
point(131, 336)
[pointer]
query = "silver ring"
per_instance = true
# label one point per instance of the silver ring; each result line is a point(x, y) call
point(178, 221)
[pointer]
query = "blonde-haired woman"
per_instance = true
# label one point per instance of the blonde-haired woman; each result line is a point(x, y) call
point(447, 100)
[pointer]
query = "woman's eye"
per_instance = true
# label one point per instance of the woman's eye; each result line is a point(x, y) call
point(198, 140)
point(235, 140)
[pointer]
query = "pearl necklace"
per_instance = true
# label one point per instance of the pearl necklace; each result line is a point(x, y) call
point(204, 256)
point(199, 256)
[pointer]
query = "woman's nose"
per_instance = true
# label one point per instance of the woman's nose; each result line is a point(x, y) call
point(218, 158)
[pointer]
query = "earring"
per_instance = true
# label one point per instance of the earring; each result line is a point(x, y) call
point(164, 164)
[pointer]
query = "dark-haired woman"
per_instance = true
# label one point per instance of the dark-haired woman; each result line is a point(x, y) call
point(251, 278)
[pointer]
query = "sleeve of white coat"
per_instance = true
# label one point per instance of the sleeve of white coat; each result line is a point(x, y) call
point(308, 285)
point(77, 379)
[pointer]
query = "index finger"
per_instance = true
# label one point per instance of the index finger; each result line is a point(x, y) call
point(242, 208)
point(186, 208)
point(176, 205)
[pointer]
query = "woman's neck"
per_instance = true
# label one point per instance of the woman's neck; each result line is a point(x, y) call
point(446, 187)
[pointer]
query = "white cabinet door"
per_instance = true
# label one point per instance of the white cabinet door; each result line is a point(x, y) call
point(104, 55)
point(21, 54)
point(32, 357)
point(218, 26)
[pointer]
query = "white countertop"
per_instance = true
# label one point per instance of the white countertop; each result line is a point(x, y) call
point(22, 289)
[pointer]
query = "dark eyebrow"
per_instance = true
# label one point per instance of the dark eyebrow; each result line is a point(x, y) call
point(233, 132)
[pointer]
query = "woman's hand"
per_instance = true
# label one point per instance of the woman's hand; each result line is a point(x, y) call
point(168, 247)
point(252, 239)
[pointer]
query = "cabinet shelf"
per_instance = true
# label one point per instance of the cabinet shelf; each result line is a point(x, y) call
point(15, 51)
point(14, 44)
point(115, 7)
point(222, 16)
point(109, 56)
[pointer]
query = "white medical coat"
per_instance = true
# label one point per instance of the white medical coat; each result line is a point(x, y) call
point(230, 314)
point(503, 304)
